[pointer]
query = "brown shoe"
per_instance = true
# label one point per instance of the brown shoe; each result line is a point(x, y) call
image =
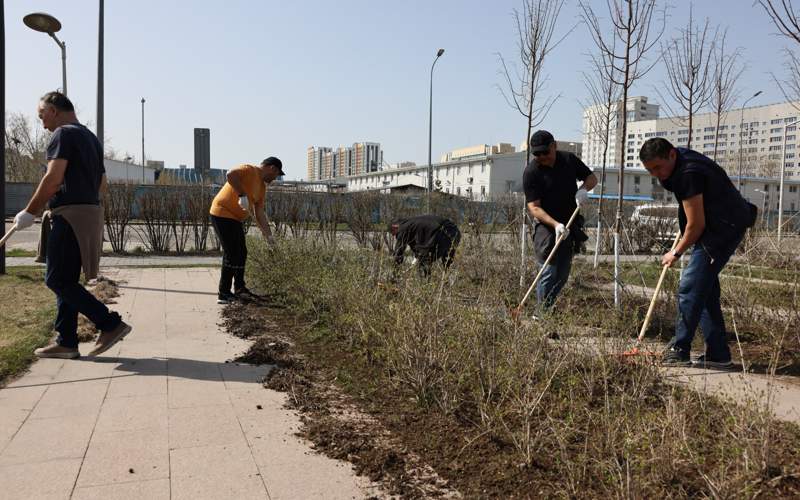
point(107, 339)
point(57, 351)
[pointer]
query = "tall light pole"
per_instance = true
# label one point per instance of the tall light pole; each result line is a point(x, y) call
point(430, 130)
point(3, 133)
point(741, 134)
point(142, 140)
point(100, 86)
point(45, 23)
point(783, 173)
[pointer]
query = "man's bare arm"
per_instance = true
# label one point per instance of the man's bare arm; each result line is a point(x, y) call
point(589, 183)
point(536, 211)
point(695, 225)
point(48, 186)
point(260, 214)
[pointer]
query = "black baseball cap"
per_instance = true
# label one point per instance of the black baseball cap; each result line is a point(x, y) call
point(274, 162)
point(541, 140)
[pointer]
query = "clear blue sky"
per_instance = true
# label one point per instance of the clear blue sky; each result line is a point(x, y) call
point(272, 78)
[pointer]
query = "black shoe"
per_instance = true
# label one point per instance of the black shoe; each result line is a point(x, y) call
point(225, 298)
point(245, 294)
point(706, 361)
point(675, 357)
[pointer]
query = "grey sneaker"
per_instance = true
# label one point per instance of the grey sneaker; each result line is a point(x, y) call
point(706, 361)
point(107, 339)
point(57, 351)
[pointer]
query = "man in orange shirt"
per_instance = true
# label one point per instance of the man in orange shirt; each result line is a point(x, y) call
point(227, 215)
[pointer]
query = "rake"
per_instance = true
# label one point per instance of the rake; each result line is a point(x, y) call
point(8, 235)
point(517, 311)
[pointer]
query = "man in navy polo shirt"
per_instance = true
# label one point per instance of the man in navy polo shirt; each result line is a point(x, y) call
point(713, 217)
point(551, 189)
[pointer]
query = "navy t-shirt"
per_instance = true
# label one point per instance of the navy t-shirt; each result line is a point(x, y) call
point(84, 154)
point(555, 186)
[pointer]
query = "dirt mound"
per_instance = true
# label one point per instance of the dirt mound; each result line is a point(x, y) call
point(106, 290)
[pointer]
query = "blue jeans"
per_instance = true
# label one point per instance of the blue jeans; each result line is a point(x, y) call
point(698, 301)
point(555, 275)
point(63, 273)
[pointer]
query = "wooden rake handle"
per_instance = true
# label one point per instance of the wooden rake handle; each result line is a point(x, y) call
point(8, 235)
point(650, 309)
point(549, 258)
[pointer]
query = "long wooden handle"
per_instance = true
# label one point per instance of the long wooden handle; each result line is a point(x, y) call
point(655, 294)
point(549, 258)
point(8, 235)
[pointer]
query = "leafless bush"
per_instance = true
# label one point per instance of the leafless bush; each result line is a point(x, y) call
point(360, 214)
point(177, 215)
point(156, 230)
point(197, 203)
point(117, 205)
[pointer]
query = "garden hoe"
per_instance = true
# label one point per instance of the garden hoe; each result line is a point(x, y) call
point(8, 235)
point(635, 351)
point(517, 311)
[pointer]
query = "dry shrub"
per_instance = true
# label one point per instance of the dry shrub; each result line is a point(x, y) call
point(117, 204)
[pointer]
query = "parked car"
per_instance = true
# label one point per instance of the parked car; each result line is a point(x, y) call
point(654, 226)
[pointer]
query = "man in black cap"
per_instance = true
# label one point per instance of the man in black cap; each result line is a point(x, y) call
point(713, 218)
point(244, 194)
point(430, 237)
point(552, 194)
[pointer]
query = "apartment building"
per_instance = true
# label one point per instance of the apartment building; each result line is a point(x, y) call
point(324, 163)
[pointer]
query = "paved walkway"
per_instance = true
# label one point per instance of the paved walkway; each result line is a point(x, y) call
point(160, 415)
point(130, 261)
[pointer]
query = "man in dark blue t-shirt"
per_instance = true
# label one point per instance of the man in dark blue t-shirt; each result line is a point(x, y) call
point(713, 217)
point(72, 184)
point(551, 189)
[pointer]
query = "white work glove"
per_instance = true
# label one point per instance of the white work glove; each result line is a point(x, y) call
point(244, 203)
point(24, 219)
point(581, 196)
point(561, 229)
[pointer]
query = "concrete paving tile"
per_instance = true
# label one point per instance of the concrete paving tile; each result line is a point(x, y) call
point(11, 419)
point(71, 399)
point(53, 479)
point(39, 440)
point(146, 366)
point(239, 376)
point(113, 455)
point(215, 472)
point(46, 367)
point(124, 384)
point(21, 398)
point(192, 369)
point(157, 489)
point(204, 426)
point(189, 393)
point(30, 381)
point(246, 403)
point(85, 369)
point(133, 413)
point(330, 479)
point(274, 441)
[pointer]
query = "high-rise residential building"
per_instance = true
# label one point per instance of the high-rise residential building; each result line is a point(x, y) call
point(325, 163)
point(638, 109)
point(748, 141)
point(202, 149)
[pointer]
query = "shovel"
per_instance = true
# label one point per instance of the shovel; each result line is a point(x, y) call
point(8, 235)
point(517, 311)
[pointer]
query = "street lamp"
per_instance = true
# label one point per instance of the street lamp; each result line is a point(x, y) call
point(763, 204)
point(142, 140)
point(741, 125)
point(430, 130)
point(783, 171)
point(45, 23)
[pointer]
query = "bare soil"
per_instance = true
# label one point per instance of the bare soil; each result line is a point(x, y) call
point(106, 290)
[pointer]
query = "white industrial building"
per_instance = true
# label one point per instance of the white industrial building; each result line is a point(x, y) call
point(123, 171)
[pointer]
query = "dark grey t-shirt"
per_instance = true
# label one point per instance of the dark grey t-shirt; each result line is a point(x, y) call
point(555, 186)
point(84, 154)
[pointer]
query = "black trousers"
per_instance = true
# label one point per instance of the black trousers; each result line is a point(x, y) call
point(230, 233)
point(444, 248)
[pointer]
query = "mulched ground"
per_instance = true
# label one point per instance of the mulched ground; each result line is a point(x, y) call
point(106, 290)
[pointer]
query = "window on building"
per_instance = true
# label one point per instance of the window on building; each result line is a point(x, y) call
point(708, 129)
point(790, 119)
point(774, 148)
point(776, 121)
point(776, 130)
point(637, 179)
point(483, 190)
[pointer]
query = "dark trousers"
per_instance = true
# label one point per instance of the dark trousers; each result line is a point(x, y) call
point(698, 301)
point(230, 233)
point(63, 274)
point(444, 249)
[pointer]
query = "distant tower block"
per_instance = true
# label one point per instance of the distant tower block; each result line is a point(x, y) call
point(202, 149)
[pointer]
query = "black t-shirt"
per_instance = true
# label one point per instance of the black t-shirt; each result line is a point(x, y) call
point(555, 186)
point(84, 154)
point(419, 233)
point(727, 214)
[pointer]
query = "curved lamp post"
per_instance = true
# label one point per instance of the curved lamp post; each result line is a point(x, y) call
point(45, 23)
point(741, 133)
point(430, 130)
